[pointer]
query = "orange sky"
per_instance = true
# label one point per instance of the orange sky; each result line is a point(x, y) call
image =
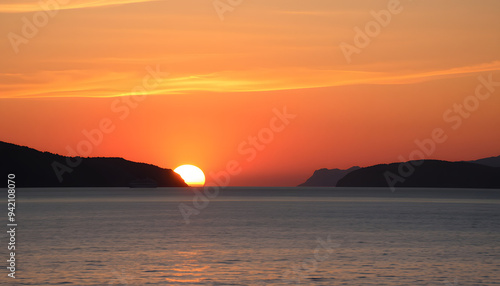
point(220, 81)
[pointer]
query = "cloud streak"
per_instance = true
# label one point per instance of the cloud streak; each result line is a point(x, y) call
point(34, 6)
point(113, 84)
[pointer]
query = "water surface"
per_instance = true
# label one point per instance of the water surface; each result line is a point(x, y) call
point(257, 236)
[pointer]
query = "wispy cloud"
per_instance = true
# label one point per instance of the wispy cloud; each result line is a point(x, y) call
point(438, 74)
point(112, 84)
point(290, 79)
point(33, 6)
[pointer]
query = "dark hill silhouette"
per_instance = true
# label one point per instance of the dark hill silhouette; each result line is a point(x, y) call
point(36, 169)
point(431, 174)
point(326, 177)
point(492, 161)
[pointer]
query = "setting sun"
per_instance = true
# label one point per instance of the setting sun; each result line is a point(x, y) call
point(192, 175)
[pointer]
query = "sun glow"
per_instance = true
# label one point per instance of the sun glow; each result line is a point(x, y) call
point(192, 175)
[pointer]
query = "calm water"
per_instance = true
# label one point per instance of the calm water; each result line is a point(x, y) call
point(256, 237)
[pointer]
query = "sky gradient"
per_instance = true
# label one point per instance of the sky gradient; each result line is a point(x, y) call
point(182, 84)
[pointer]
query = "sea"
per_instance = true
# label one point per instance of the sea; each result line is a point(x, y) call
point(252, 236)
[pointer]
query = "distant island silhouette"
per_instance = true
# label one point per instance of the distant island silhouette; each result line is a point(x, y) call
point(43, 169)
point(326, 177)
point(482, 173)
point(34, 168)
